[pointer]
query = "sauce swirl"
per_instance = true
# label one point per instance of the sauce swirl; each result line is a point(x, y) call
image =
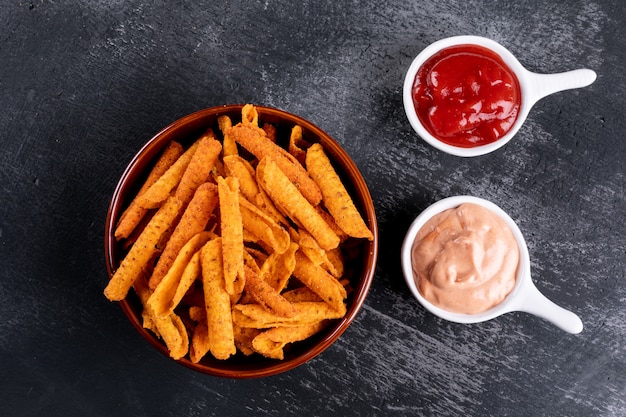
point(465, 259)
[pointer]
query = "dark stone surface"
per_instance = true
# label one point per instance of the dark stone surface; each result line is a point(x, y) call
point(83, 84)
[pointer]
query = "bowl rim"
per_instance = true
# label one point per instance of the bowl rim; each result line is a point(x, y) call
point(510, 303)
point(508, 58)
point(338, 156)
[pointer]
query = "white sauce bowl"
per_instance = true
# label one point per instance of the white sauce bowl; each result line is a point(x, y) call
point(533, 87)
point(524, 296)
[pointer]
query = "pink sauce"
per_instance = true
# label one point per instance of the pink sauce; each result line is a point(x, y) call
point(465, 259)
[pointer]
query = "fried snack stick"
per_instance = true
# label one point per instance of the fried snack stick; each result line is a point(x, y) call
point(265, 203)
point(295, 142)
point(271, 343)
point(335, 196)
point(335, 258)
point(307, 312)
point(259, 262)
point(241, 169)
point(199, 342)
point(217, 301)
point(330, 260)
point(301, 294)
point(229, 145)
point(244, 337)
point(249, 115)
point(133, 215)
point(199, 167)
point(193, 221)
point(270, 131)
point(267, 296)
point(142, 251)
point(170, 327)
point(257, 143)
point(319, 281)
point(253, 259)
point(231, 225)
point(278, 267)
point(331, 222)
point(238, 167)
point(132, 238)
point(180, 276)
point(263, 227)
point(161, 189)
point(287, 197)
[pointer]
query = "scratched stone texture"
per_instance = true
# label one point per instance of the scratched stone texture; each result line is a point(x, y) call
point(83, 84)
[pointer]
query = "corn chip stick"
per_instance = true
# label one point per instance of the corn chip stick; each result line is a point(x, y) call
point(256, 316)
point(243, 338)
point(265, 295)
point(271, 342)
point(142, 251)
point(192, 272)
point(173, 287)
point(229, 145)
point(331, 222)
point(170, 327)
point(199, 343)
point(278, 267)
point(270, 131)
point(263, 227)
point(199, 167)
point(241, 169)
point(265, 203)
point(289, 199)
point(194, 219)
point(232, 235)
point(217, 301)
point(335, 196)
point(249, 116)
point(174, 334)
point(133, 215)
point(329, 260)
point(257, 143)
point(321, 282)
point(162, 188)
point(295, 140)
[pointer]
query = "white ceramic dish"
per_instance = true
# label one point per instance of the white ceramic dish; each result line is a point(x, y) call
point(524, 297)
point(533, 88)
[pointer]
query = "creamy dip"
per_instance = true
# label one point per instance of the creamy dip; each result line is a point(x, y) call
point(465, 259)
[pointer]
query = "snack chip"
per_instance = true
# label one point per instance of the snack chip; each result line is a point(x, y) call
point(217, 300)
point(336, 197)
point(162, 188)
point(289, 199)
point(193, 221)
point(134, 214)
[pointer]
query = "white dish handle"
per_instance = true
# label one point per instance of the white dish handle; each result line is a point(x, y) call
point(534, 302)
point(542, 85)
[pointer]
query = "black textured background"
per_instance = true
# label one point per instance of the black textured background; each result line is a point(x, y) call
point(83, 84)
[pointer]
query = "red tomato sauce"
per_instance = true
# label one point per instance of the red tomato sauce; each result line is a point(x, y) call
point(466, 96)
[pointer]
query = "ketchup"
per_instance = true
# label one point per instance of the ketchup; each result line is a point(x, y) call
point(466, 96)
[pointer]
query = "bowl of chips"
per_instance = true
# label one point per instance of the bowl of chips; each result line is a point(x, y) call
point(241, 241)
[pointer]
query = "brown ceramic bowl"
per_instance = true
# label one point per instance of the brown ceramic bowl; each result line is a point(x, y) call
point(360, 255)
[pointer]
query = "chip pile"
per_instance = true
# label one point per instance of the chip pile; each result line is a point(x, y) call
point(234, 244)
